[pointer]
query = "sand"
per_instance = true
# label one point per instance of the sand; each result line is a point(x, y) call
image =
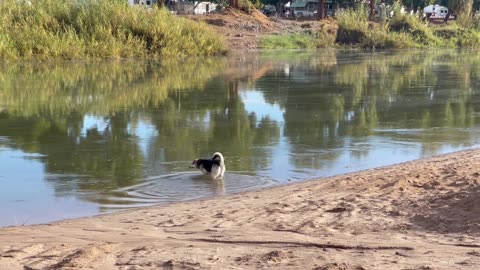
point(423, 214)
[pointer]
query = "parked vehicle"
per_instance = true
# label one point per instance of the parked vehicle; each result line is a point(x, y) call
point(435, 12)
point(270, 10)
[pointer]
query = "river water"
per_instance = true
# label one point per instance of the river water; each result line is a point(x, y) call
point(79, 139)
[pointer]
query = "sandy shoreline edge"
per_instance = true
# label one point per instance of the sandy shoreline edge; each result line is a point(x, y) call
point(422, 214)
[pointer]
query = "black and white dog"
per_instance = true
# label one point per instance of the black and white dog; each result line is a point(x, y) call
point(215, 167)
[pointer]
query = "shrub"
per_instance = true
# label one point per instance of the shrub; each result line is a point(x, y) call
point(246, 5)
point(352, 25)
point(387, 40)
point(413, 26)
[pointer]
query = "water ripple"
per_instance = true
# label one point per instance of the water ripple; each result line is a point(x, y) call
point(179, 187)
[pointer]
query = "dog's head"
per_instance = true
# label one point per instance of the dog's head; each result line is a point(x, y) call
point(195, 164)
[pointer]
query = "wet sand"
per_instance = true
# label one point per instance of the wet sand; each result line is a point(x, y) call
point(423, 214)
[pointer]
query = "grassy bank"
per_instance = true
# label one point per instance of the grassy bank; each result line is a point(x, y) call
point(307, 40)
point(66, 29)
point(353, 29)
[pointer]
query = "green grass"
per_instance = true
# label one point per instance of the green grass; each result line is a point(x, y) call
point(457, 36)
point(401, 31)
point(293, 41)
point(305, 40)
point(68, 29)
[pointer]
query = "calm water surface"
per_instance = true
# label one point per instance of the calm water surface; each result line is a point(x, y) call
point(79, 139)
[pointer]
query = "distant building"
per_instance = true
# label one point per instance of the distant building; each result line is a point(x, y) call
point(145, 3)
point(304, 8)
point(309, 8)
point(179, 7)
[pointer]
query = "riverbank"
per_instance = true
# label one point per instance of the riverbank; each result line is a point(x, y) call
point(350, 29)
point(67, 30)
point(64, 30)
point(423, 214)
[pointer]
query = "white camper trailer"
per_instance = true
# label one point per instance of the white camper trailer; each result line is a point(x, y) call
point(435, 12)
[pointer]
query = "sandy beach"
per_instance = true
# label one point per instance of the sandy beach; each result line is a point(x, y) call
point(423, 214)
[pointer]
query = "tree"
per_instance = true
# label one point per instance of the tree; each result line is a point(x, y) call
point(461, 8)
point(233, 3)
point(372, 9)
point(321, 9)
point(160, 4)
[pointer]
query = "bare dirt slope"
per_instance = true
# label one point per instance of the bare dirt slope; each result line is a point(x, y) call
point(417, 215)
point(242, 31)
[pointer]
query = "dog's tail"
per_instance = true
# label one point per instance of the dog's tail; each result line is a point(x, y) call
point(218, 155)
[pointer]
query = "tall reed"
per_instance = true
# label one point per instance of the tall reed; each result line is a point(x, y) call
point(69, 29)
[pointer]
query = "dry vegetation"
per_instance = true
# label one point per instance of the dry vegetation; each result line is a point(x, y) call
point(352, 28)
point(63, 29)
